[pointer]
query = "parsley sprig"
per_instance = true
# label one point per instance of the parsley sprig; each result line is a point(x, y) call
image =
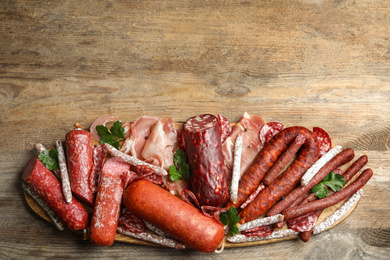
point(230, 218)
point(49, 158)
point(333, 181)
point(111, 136)
point(180, 167)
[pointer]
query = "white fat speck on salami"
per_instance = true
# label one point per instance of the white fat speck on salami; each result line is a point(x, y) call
point(319, 164)
point(338, 214)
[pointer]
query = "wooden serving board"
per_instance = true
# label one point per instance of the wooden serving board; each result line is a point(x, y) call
point(122, 238)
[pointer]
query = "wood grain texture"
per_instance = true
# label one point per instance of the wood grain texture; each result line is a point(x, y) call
point(303, 62)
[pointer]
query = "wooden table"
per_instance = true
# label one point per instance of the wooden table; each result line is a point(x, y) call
point(310, 63)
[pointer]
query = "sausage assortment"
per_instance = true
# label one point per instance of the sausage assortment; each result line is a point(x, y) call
point(131, 196)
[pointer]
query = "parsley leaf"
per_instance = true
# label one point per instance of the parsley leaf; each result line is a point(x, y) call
point(49, 158)
point(180, 167)
point(111, 136)
point(333, 181)
point(230, 218)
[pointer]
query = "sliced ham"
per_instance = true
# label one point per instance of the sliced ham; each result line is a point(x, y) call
point(248, 127)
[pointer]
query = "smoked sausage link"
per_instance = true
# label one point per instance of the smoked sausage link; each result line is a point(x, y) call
point(105, 216)
point(204, 151)
point(285, 182)
point(172, 215)
point(79, 152)
point(49, 189)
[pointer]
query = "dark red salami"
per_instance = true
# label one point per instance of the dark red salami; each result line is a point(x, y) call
point(208, 172)
point(224, 127)
point(49, 189)
point(105, 216)
point(99, 155)
point(324, 140)
point(259, 231)
point(303, 223)
point(132, 222)
point(80, 163)
point(269, 130)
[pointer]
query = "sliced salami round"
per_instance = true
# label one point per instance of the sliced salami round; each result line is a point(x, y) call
point(269, 130)
point(132, 223)
point(259, 231)
point(224, 127)
point(324, 140)
point(190, 198)
point(147, 173)
point(303, 223)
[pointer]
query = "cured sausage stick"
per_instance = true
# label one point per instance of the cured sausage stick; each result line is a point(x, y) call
point(236, 168)
point(340, 159)
point(261, 222)
point(284, 159)
point(48, 188)
point(275, 234)
point(286, 181)
point(300, 210)
point(164, 241)
point(40, 149)
point(134, 161)
point(338, 213)
point(49, 212)
point(319, 164)
point(64, 172)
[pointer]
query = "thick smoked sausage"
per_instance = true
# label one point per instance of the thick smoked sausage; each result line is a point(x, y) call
point(49, 189)
point(285, 182)
point(172, 215)
point(204, 150)
point(79, 152)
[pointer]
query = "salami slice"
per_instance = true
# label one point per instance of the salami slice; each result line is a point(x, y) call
point(269, 130)
point(204, 151)
point(132, 222)
point(99, 155)
point(190, 198)
point(303, 223)
point(259, 231)
point(224, 127)
point(324, 140)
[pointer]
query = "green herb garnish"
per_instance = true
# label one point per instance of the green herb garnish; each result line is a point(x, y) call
point(111, 136)
point(230, 218)
point(180, 167)
point(49, 158)
point(333, 181)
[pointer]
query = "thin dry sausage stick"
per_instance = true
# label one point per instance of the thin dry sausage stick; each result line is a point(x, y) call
point(64, 172)
point(286, 181)
point(340, 159)
point(261, 222)
point(300, 210)
point(283, 160)
point(49, 212)
point(134, 161)
point(275, 234)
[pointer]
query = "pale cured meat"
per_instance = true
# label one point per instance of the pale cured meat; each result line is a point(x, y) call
point(208, 174)
point(49, 189)
point(105, 218)
point(161, 143)
point(248, 127)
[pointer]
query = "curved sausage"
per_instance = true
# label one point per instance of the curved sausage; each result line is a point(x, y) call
point(335, 198)
point(80, 163)
point(105, 216)
point(204, 150)
point(340, 159)
point(49, 189)
point(284, 182)
point(182, 221)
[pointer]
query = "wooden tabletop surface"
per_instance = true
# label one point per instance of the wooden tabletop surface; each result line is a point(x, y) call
point(302, 62)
